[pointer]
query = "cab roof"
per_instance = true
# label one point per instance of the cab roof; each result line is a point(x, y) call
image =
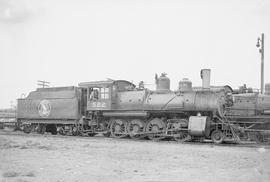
point(105, 83)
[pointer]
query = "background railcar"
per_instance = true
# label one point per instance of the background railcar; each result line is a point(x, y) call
point(252, 112)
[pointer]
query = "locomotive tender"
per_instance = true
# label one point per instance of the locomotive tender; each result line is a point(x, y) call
point(118, 109)
point(46, 107)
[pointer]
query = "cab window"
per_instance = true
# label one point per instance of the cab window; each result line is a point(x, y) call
point(104, 93)
point(94, 93)
point(98, 93)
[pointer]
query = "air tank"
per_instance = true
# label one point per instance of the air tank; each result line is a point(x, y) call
point(267, 88)
point(185, 85)
point(162, 83)
point(205, 75)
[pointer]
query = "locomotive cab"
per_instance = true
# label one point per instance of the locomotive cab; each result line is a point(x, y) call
point(101, 95)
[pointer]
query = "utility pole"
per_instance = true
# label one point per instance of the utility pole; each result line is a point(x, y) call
point(43, 83)
point(260, 45)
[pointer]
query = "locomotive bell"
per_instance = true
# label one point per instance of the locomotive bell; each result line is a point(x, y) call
point(205, 76)
point(162, 83)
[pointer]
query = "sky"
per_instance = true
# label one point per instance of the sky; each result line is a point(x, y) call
point(67, 42)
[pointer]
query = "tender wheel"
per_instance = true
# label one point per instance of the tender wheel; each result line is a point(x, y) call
point(27, 129)
point(18, 126)
point(134, 127)
point(118, 128)
point(52, 128)
point(154, 129)
point(62, 131)
point(75, 131)
point(217, 136)
point(41, 128)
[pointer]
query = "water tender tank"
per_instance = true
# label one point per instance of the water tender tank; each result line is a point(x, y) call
point(185, 85)
point(162, 83)
point(267, 88)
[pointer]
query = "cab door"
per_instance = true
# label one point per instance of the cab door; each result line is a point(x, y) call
point(99, 98)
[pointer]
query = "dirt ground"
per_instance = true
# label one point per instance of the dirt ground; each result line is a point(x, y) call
point(25, 158)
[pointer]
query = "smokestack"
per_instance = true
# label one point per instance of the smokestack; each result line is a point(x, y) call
point(205, 75)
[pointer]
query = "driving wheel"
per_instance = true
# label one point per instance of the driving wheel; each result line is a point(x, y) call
point(118, 128)
point(155, 129)
point(135, 128)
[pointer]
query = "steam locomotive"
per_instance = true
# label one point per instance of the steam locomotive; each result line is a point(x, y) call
point(251, 110)
point(117, 108)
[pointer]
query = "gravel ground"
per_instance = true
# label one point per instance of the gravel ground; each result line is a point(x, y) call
point(25, 158)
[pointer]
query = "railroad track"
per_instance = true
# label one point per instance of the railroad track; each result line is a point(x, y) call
point(206, 142)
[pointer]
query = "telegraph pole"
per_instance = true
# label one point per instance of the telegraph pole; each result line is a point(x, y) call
point(260, 45)
point(43, 83)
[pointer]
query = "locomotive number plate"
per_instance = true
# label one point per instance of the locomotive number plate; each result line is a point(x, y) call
point(98, 104)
